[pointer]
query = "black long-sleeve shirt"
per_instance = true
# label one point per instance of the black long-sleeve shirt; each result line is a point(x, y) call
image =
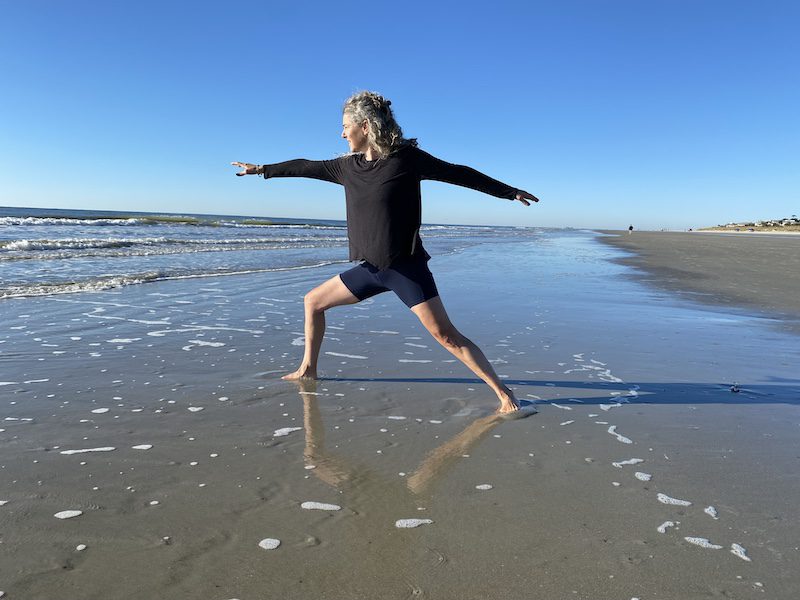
point(384, 207)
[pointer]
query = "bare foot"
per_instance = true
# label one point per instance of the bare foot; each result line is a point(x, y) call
point(508, 402)
point(301, 373)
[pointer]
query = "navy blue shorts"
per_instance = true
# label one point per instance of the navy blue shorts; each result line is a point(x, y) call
point(409, 278)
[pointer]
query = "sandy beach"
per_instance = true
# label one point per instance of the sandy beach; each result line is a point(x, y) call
point(758, 271)
point(157, 412)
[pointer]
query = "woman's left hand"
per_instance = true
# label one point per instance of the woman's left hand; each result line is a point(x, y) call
point(524, 197)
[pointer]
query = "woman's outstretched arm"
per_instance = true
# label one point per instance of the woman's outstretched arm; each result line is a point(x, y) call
point(430, 167)
point(325, 170)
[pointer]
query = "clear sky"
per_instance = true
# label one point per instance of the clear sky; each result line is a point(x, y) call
point(659, 113)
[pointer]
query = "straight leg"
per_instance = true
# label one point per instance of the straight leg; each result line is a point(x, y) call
point(434, 317)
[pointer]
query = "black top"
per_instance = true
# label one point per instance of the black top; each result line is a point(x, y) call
point(384, 209)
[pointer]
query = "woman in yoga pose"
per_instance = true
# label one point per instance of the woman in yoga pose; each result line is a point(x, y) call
point(381, 177)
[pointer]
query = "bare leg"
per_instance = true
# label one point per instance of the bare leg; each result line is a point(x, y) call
point(434, 317)
point(331, 293)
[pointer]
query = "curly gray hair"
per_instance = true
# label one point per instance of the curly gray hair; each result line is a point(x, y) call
point(383, 132)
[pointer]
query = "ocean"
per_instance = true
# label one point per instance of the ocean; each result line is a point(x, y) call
point(55, 251)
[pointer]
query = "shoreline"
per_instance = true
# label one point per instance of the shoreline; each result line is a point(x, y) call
point(749, 270)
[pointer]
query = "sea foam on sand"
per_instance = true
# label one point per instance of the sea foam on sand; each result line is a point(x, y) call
point(411, 523)
point(320, 506)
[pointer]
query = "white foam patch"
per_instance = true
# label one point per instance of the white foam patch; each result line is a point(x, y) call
point(142, 447)
point(269, 543)
point(739, 551)
point(409, 360)
point(123, 340)
point(610, 406)
point(629, 461)
point(209, 344)
point(483, 486)
point(3, 502)
point(703, 543)
point(100, 411)
point(68, 514)
point(194, 408)
point(642, 476)
point(410, 523)
point(711, 511)
point(415, 345)
point(320, 506)
point(2, 383)
point(567, 423)
point(163, 332)
point(80, 547)
point(664, 499)
point(285, 431)
point(346, 355)
point(396, 418)
point(664, 526)
point(620, 438)
point(83, 450)
point(386, 332)
point(560, 406)
point(299, 341)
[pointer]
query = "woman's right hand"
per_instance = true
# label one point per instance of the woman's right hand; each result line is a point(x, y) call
point(247, 169)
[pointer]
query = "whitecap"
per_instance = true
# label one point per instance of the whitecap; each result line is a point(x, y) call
point(68, 514)
point(269, 543)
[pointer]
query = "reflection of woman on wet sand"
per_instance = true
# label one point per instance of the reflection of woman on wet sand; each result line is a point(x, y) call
point(381, 178)
point(367, 556)
point(336, 472)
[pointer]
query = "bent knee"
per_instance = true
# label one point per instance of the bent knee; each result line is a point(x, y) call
point(315, 301)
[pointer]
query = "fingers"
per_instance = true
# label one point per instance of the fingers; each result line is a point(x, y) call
point(525, 196)
point(245, 168)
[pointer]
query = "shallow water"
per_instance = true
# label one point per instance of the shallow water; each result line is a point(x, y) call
point(45, 252)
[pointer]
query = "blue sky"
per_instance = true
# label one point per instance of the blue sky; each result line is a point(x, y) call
point(664, 114)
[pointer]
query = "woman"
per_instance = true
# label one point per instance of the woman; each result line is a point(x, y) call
point(381, 177)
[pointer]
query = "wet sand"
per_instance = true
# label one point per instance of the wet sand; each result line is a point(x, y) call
point(753, 270)
point(199, 452)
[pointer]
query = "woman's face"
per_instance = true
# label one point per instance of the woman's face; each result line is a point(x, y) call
point(355, 135)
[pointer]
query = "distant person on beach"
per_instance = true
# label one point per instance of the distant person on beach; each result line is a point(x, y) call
point(381, 177)
point(630, 229)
